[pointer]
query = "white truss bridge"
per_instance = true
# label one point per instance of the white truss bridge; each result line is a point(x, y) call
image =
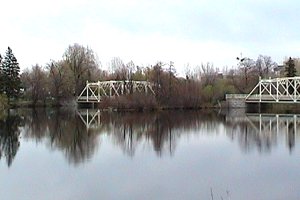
point(94, 92)
point(276, 90)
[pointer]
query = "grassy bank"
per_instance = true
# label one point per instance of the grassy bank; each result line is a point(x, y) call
point(21, 103)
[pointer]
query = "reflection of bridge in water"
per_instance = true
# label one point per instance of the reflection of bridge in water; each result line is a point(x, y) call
point(261, 131)
point(90, 118)
point(130, 130)
point(261, 123)
point(269, 123)
point(274, 123)
point(265, 130)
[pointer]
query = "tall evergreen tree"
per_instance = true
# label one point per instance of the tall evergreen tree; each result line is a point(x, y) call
point(11, 75)
point(290, 68)
point(291, 71)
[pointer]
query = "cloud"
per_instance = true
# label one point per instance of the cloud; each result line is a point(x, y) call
point(108, 42)
point(184, 31)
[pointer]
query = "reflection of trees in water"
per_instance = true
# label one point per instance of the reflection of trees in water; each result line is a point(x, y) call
point(249, 138)
point(70, 136)
point(291, 136)
point(60, 129)
point(64, 130)
point(132, 129)
point(126, 129)
point(9, 137)
point(160, 130)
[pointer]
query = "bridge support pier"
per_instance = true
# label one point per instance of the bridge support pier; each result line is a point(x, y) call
point(236, 100)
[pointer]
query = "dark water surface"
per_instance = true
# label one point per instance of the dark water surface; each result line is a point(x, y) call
point(61, 154)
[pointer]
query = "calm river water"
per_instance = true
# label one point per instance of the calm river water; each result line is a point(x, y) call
point(86, 154)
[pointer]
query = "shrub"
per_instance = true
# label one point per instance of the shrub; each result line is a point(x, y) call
point(3, 102)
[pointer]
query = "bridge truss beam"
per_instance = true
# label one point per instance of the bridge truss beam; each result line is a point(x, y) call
point(94, 92)
point(277, 90)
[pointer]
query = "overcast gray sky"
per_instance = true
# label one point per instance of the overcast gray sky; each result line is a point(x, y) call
point(147, 31)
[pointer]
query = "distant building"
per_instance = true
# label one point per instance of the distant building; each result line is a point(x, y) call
point(279, 70)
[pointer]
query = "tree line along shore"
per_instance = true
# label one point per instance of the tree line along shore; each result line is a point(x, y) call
point(59, 82)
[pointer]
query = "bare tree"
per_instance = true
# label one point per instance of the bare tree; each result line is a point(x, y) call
point(189, 73)
point(81, 61)
point(59, 80)
point(265, 66)
point(139, 73)
point(119, 69)
point(208, 74)
point(245, 77)
point(130, 70)
point(156, 78)
point(35, 80)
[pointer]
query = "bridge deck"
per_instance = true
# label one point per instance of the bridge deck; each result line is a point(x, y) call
point(83, 99)
point(272, 99)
